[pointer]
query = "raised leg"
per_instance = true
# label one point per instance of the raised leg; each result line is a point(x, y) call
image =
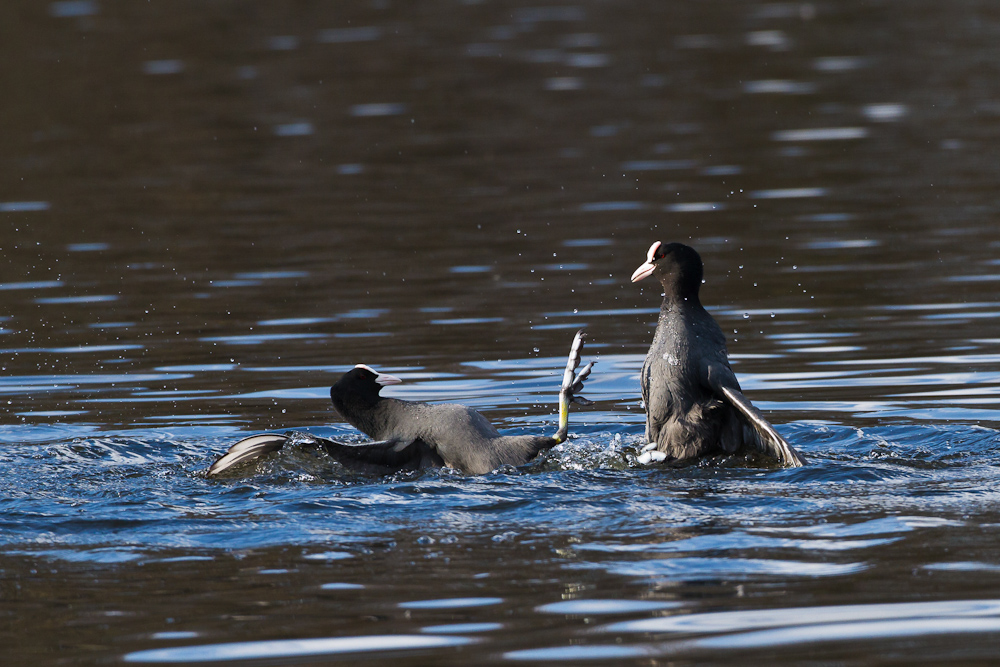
point(572, 384)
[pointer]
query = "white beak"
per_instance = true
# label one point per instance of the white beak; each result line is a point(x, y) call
point(384, 379)
point(381, 379)
point(642, 272)
point(647, 267)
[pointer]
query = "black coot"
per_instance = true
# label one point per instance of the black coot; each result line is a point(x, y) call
point(694, 405)
point(410, 435)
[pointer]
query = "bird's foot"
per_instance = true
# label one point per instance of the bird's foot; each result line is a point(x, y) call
point(649, 454)
point(572, 385)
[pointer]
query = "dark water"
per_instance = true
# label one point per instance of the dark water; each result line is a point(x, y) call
point(209, 210)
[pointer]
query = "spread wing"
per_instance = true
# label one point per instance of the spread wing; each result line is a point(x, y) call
point(248, 449)
point(765, 439)
point(383, 457)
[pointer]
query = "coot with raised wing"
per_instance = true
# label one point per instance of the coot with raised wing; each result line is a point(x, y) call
point(694, 404)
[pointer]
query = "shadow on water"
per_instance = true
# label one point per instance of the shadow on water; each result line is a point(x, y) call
point(210, 212)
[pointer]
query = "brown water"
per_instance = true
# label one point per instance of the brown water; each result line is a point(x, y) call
point(208, 211)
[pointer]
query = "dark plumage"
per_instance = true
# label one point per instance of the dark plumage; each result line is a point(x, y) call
point(694, 404)
point(410, 435)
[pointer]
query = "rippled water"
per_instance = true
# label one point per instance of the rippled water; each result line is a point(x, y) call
point(208, 212)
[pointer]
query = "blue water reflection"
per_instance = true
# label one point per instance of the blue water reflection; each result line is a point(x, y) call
point(293, 648)
point(211, 212)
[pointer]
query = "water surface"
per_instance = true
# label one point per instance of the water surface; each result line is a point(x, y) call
point(210, 212)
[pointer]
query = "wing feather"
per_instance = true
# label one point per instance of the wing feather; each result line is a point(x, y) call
point(383, 456)
point(765, 439)
point(248, 449)
point(379, 457)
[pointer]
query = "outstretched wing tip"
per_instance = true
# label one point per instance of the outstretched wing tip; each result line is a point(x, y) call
point(247, 449)
point(768, 440)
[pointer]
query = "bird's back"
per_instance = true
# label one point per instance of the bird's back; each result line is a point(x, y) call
point(462, 437)
point(428, 421)
point(682, 415)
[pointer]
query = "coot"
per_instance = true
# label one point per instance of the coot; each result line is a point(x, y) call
point(409, 435)
point(694, 404)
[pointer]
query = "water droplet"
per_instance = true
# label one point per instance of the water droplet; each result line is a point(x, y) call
point(746, 316)
point(535, 350)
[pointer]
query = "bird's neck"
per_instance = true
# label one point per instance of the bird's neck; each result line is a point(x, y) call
point(675, 301)
point(357, 409)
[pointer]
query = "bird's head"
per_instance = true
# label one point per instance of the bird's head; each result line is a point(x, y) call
point(678, 268)
point(362, 382)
